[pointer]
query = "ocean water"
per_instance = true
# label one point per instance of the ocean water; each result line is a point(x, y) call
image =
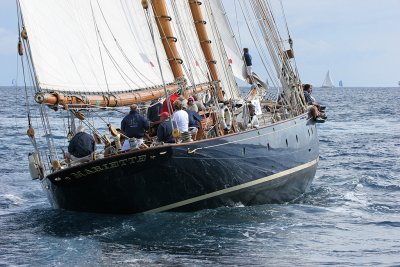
point(349, 217)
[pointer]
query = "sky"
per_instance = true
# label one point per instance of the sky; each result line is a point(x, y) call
point(358, 41)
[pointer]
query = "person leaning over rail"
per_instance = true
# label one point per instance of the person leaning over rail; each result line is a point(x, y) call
point(81, 146)
point(134, 126)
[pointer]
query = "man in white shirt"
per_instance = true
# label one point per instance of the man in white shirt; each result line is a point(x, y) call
point(181, 117)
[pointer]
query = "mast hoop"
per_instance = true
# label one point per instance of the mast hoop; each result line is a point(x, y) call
point(174, 39)
point(196, 2)
point(201, 22)
point(179, 60)
point(169, 18)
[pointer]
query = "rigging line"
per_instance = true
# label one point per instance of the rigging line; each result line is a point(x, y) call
point(120, 69)
point(35, 84)
point(290, 39)
point(257, 42)
point(204, 68)
point(158, 60)
point(238, 29)
point(290, 76)
point(221, 52)
point(98, 45)
point(122, 52)
point(279, 43)
point(190, 52)
point(157, 18)
point(182, 34)
point(259, 47)
point(267, 41)
point(76, 15)
point(232, 32)
point(271, 38)
point(131, 25)
point(22, 65)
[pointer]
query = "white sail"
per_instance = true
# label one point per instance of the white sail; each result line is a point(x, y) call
point(93, 46)
point(224, 47)
point(328, 83)
point(227, 36)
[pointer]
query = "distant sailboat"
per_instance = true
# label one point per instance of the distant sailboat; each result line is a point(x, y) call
point(341, 83)
point(328, 83)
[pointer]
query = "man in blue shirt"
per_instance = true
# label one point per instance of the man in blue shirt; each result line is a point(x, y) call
point(164, 131)
point(134, 125)
point(82, 145)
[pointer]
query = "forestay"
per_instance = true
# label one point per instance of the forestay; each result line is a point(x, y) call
point(93, 46)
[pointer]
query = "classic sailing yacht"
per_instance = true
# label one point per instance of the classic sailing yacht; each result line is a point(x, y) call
point(328, 83)
point(89, 60)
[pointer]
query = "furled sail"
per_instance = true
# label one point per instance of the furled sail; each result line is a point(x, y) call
point(93, 46)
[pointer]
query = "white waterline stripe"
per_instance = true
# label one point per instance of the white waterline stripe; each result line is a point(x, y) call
point(234, 188)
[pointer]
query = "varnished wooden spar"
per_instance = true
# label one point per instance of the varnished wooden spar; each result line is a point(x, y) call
point(164, 27)
point(204, 40)
point(114, 100)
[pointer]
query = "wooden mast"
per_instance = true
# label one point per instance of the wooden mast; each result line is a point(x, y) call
point(164, 27)
point(205, 41)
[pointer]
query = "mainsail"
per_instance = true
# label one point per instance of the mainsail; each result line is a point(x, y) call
point(328, 83)
point(92, 46)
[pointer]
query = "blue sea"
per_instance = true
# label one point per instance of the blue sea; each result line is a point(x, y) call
point(349, 217)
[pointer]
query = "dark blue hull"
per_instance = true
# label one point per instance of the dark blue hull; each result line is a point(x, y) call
point(273, 164)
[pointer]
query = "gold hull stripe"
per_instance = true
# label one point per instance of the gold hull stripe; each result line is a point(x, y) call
point(235, 188)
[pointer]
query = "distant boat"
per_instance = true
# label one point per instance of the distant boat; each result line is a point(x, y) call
point(328, 83)
point(399, 83)
point(341, 83)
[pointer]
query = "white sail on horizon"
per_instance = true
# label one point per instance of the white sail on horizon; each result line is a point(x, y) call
point(328, 82)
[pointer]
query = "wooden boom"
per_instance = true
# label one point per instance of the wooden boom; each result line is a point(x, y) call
point(111, 100)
